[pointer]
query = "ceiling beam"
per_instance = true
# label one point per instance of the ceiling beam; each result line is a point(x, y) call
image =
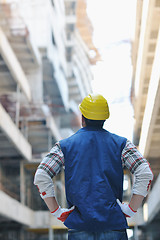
point(152, 105)
point(14, 65)
point(14, 135)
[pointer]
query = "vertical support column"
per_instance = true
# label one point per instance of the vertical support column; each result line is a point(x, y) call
point(35, 78)
point(17, 106)
point(63, 200)
point(22, 183)
point(51, 234)
point(29, 194)
point(49, 140)
point(24, 128)
point(136, 233)
point(149, 236)
point(22, 234)
point(0, 176)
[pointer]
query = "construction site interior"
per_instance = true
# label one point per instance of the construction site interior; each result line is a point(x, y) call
point(46, 59)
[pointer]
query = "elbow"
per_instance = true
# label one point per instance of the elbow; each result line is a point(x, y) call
point(151, 175)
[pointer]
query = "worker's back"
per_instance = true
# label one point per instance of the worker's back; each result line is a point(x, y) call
point(94, 179)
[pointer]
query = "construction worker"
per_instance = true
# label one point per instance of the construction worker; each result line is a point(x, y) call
point(94, 159)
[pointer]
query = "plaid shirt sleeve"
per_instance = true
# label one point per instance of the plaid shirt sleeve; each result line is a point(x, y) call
point(53, 162)
point(131, 157)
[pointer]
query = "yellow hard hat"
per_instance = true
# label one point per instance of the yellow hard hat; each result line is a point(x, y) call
point(94, 107)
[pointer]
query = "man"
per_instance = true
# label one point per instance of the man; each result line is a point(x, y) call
point(94, 159)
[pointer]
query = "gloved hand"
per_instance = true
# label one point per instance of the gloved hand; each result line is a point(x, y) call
point(62, 213)
point(126, 209)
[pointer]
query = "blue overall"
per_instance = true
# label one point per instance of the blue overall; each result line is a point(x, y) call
point(94, 180)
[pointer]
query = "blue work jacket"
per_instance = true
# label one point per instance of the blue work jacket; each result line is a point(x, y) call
point(94, 179)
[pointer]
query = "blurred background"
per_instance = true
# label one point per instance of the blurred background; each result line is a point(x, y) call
point(52, 54)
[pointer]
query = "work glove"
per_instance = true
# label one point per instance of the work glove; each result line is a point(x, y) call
point(62, 213)
point(126, 209)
